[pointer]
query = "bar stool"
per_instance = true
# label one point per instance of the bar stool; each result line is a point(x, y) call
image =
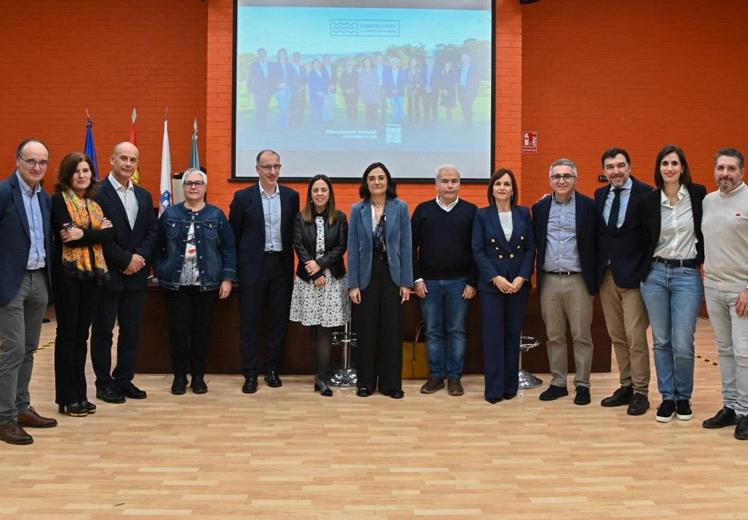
point(345, 376)
point(526, 379)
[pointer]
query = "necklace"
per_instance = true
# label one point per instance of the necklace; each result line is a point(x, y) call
point(378, 206)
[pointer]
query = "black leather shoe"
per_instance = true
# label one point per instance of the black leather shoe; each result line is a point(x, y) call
point(273, 380)
point(110, 394)
point(741, 430)
point(639, 405)
point(582, 396)
point(553, 392)
point(397, 394)
point(90, 407)
point(363, 392)
point(12, 433)
point(30, 419)
point(73, 409)
point(250, 385)
point(509, 396)
point(179, 385)
point(725, 417)
point(198, 385)
point(494, 400)
point(321, 387)
point(620, 397)
point(133, 392)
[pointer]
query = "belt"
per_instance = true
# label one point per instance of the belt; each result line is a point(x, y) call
point(562, 273)
point(691, 262)
point(273, 253)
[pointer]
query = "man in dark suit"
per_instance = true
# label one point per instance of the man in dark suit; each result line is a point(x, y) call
point(297, 80)
point(395, 79)
point(25, 266)
point(262, 219)
point(467, 88)
point(565, 225)
point(430, 84)
point(259, 83)
point(621, 252)
point(130, 209)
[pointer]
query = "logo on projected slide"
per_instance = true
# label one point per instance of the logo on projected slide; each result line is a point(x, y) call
point(364, 28)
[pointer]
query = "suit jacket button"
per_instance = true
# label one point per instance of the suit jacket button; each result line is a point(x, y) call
point(493, 240)
point(521, 237)
point(511, 255)
point(501, 257)
point(517, 247)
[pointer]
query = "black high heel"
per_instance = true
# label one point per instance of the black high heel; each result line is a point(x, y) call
point(321, 387)
point(90, 407)
point(73, 409)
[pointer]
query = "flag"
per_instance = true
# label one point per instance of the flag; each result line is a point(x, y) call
point(195, 161)
point(165, 200)
point(90, 147)
point(134, 140)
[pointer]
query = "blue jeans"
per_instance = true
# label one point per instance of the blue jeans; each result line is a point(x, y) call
point(444, 310)
point(673, 297)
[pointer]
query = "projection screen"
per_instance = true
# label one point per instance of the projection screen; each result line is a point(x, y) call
point(336, 85)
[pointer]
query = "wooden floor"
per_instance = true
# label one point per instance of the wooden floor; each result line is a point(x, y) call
point(288, 453)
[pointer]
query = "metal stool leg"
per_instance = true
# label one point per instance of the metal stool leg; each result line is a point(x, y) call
point(345, 376)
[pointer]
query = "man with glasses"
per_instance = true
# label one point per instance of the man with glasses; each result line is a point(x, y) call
point(25, 266)
point(262, 219)
point(620, 255)
point(130, 208)
point(566, 235)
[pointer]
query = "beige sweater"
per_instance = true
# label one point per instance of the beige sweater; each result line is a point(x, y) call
point(725, 228)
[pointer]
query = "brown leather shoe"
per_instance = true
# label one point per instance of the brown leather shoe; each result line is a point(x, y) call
point(30, 419)
point(12, 433)
point(454, 387)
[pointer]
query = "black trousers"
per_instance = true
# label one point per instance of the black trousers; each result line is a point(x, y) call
point(190, 313)
point(75, 302)
point(271, 291)
point(378, 324)
point(126, 308)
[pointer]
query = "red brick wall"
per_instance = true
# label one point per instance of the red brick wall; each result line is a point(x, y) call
point(61, 56)
point(638, 74)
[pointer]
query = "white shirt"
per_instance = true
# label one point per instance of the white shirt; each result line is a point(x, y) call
point(677, 237)
point(271, 208)
point(447, 207)
point(505, 217)
point(128, 198)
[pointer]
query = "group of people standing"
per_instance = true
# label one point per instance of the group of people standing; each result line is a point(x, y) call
point(640, 247)
point(380, 85)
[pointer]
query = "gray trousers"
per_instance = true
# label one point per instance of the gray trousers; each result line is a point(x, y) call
point(20, 327)
point(565, 299)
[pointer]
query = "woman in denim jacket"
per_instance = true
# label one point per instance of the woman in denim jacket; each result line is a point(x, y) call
point(195, 262)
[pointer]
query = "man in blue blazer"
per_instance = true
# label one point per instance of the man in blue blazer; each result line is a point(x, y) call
point(262, 218)
point(25, 266)
point(130, 209)
point(621, 252)
point(565, 225)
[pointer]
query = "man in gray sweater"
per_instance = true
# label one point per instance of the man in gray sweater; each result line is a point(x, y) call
point(725, 228)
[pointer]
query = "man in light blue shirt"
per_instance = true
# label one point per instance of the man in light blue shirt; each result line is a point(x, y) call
point(24, 287)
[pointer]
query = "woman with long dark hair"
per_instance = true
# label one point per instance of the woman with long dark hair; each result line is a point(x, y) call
point(319, 299)
point(671, 279)
point(504, 252)
point(79, 270)
point(380, 277)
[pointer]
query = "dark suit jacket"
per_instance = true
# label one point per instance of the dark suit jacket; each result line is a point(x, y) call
point(247, 219)
point(651, 221)
point(128, 241)
point(624, 248)
point(586, 228)
point(15, 238)
point(494, 254)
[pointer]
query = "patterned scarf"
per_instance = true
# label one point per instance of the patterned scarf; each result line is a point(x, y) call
point(84, 261)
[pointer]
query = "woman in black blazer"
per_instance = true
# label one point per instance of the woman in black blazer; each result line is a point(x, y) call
point(79, 270)
point(320, 292)
point(671, 279)
point(504, 251)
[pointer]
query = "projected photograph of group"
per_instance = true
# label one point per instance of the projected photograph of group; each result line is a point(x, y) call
point(331, 83)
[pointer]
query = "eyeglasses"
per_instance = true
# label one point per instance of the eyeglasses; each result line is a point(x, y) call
point(32, 163)
point(566, 177)
point(269, 167)
point(194, 184)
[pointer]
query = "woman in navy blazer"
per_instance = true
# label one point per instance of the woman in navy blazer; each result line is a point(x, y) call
point(380, 275)
point(504, 250)
point(671, 277)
